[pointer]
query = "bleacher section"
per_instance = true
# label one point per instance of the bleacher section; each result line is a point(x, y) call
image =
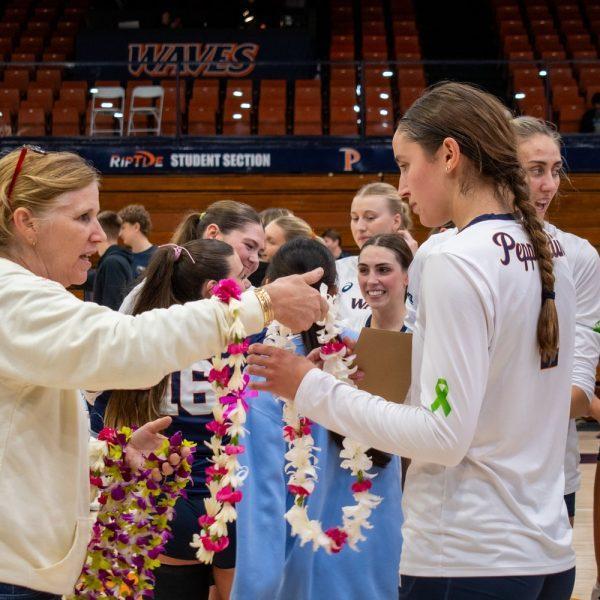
point(375, 71)
point(557, 44)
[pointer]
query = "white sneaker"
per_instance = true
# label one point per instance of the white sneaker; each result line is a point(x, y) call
point(595, 592)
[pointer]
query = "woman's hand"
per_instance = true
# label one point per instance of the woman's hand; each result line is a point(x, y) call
point(282, 370)
point(145, 440)
point(295, 303)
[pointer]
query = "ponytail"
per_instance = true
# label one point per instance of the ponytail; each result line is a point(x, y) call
point(547, 328)
point(175, 275)
point(479, 123)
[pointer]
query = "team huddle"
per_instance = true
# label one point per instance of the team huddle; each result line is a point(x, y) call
point(476, 472)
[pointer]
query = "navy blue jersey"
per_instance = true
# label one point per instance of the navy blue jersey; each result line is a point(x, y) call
point(189, 400)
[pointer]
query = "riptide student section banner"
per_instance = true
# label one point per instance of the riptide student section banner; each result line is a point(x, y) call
point(287, 154)
point(156, 53)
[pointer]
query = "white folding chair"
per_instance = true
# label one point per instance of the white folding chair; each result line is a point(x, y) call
point(107, 101)
point(153, 110)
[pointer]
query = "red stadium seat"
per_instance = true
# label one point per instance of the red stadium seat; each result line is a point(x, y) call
point(50, 78)
point(9, 100)
point(65, 121)
point(379, 121)
point(17, 79)
point(271, 119)
point(343, 121)
point(31, 122)
point(40, 97)
point(307, 120)
point(570, 117)
point(408, 95)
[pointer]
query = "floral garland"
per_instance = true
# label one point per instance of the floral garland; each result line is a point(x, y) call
point(132, 526)
point(301, 459)
point(225, 475)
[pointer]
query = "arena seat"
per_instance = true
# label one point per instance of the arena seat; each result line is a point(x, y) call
point(307, 120)
point(50, 78)
point(569, 117)
point(201, 119)
point(16, 79)
point(408, 95)
point(40, 97)
point(343, 121)
point(237, 110)
point(10, 98)
point(379, 121)
point(31, 122)
point(65, 121)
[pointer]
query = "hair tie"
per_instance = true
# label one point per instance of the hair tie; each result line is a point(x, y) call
point(547, 295)
point(202, 216)
point(177, 250)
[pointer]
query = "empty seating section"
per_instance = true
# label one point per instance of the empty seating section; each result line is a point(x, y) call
point(372, 73)
point(33, 101)
point(552, 40)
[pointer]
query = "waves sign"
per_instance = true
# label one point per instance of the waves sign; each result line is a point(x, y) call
point(161, 53)
point(224, 59)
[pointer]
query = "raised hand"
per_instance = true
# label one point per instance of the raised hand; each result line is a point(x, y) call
point(144, 440)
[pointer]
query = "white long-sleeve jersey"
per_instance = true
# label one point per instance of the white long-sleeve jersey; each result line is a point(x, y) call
point(584, 262)
point(353, 308)
point(486, 424)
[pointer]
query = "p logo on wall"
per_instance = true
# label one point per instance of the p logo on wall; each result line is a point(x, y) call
point(351, 157)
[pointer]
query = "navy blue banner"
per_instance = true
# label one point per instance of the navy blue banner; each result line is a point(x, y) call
point(156, 53)
point(265, 155)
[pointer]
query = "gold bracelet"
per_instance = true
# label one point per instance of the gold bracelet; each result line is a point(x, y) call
point(266, 305)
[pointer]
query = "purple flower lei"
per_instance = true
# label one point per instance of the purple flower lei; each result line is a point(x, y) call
point(132, 527)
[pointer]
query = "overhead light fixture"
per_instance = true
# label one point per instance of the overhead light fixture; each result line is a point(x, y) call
point(356, 108)
point(387, 73)
point(248, 18)
point(519, 96)
point(384, 96)
point(543, 73)
point(93, 90)
point(118, 115)
point(237, 116)
point(358, 90)
point(383, 112)
point(106, 105)
point(238, 93)
point(245, 105)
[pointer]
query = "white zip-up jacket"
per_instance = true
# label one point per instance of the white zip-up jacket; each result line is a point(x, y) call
point(51, 344)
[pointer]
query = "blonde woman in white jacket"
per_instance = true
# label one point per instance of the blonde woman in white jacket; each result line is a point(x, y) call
point(52, 344)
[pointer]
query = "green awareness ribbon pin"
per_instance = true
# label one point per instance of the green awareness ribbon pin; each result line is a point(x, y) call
point(596, 327)
point(441, 391)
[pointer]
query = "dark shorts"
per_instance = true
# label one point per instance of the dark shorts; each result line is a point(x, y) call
point(557, 586)
point(570, 502)
point(185, 582)
point(183, 527)
point(8, 591)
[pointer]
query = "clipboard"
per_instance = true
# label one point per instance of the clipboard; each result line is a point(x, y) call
point(385, 357)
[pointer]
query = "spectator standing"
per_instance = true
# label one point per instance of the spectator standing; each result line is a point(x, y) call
point(115, 271)
point(590, 122)
point(333, 240)
point(134, 233)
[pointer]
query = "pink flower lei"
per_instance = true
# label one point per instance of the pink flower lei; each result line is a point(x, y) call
point(225, 476)
point(132, 526)
point(300, 457)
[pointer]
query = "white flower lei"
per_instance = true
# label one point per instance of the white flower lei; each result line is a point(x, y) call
point(301, 459)
point(225, 475)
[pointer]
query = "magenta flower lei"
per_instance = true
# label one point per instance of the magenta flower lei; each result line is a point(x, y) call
point(132, 526)
point(224, 476)
point(301, 459)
